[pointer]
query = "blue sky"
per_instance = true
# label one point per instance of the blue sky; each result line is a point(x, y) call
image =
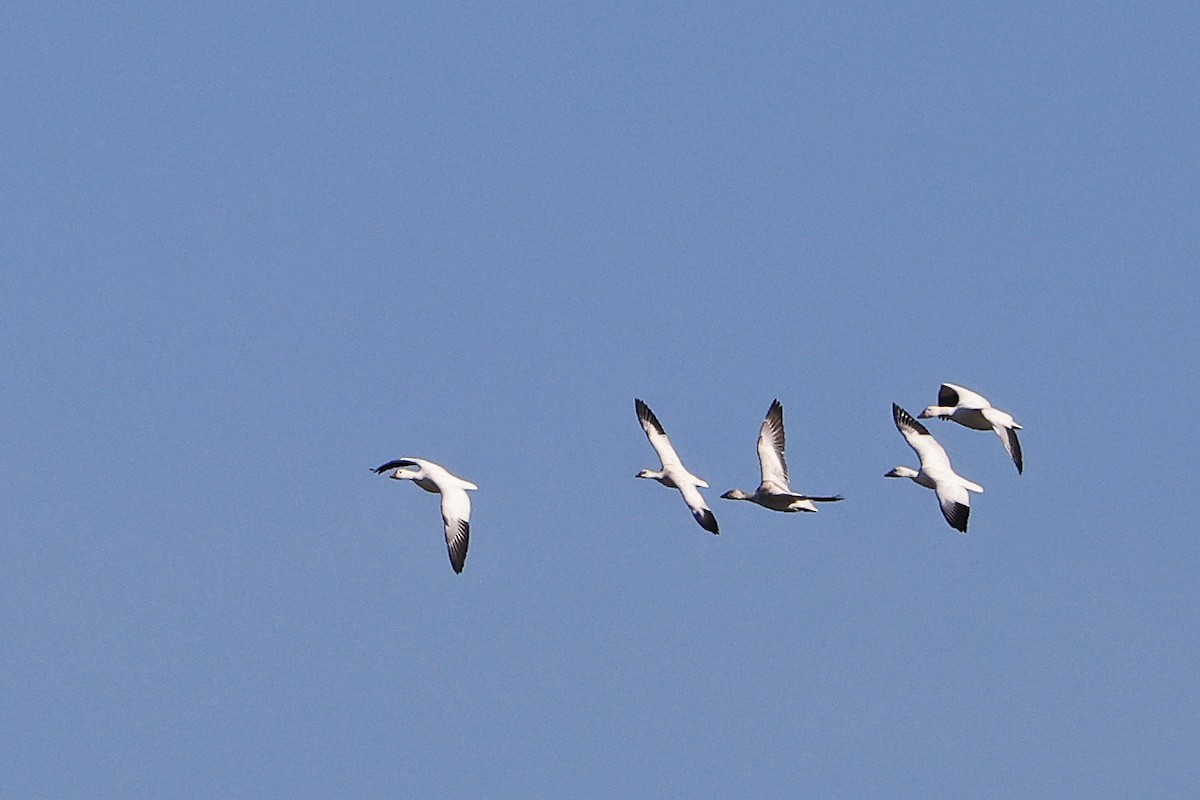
point(251, 252)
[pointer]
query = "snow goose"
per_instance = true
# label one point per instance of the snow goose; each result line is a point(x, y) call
point(773, 492)
point(673, 474)
point(973, 410)
point(456, 503)
point(935, 473)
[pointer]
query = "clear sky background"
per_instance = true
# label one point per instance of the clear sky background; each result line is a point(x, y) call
point(249, 253)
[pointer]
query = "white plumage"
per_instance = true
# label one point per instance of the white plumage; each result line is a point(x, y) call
point(456, 503)
point(973, 410)
point(935, 473)
point(673, 474)
point(773, 490)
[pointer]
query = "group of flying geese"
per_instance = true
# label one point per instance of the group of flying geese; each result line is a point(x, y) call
point(955, 403)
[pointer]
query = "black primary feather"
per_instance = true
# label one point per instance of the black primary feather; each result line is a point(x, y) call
point(947, 396)
point(647, 416)
point(400, 462)
point(905, 420)
point(957, 515)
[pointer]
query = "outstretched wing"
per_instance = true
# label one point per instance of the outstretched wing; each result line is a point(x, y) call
point(1009, 437)
point(933, 456)
point(394, 464)
point(956, 396)
point(771, 444)
point(955, 503)
point(656, 434)
point(700, 509)
point(456, 516)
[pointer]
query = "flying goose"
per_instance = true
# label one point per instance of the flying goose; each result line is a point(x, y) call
point(456, 503)
point(773, 492)
point(936, 473)
point(673, 474)
point(974, 411)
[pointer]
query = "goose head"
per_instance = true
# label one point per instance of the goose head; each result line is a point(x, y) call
point(901, 472)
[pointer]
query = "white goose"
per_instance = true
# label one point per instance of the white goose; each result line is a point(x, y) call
point(973, 411)
point(773, 491)
point(935, 473)
point(456, 503)
point(673, 474)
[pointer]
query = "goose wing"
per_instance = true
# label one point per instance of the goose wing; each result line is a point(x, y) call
point(771, 444)
point(1006, 428)
point(1009, 437)
point(456, 516)
point(656, 434)
point(699, 508)
point(956, 396)
point(955, 503)
point(933, 455)
point(395, 464)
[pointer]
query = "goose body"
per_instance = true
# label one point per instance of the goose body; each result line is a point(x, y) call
point(673, 474)
point(972, 410)
point(773, 490)
point(936, 473)
point(456, 503)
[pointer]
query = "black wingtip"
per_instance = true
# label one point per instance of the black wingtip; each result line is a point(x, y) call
point(774, 422)
point(457, 547)
point(957, 516)
point(393, 464)
point(903, 420)
point(947, 397)
point(1015, 443)
point(645, 415)
point(707, 521)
